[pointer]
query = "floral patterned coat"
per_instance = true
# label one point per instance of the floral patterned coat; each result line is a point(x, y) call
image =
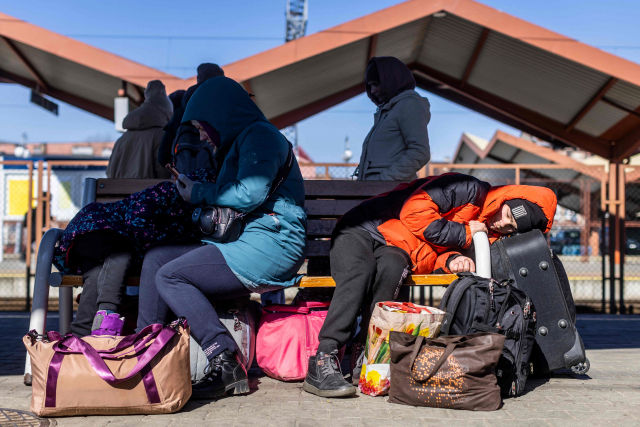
point(150, 216)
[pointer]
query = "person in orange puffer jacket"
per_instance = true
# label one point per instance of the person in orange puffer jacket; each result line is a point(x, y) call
point(420, 227)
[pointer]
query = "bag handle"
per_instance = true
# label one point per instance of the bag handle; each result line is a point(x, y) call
point(445, 355)
point(417, 345)
point(284, 171)
point(280, 308)
point(409, 307)
point(150, 331)
point(101, 368)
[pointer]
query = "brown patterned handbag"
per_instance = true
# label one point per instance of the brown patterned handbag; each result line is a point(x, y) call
point(456, 372)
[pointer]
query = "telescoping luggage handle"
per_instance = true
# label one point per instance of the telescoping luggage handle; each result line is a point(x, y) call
point(71, 344)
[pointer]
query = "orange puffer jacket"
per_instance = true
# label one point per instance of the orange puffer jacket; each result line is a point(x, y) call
point(428, 218)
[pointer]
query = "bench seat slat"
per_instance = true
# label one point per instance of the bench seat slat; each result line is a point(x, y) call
point(309, 282)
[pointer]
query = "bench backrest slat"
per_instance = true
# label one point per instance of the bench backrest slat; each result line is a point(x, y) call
point(314, 189)
point(325, 201)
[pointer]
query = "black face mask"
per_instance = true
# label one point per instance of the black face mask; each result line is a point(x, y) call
point(393, 75)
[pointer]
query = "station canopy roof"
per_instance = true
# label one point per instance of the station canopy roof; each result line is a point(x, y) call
point(548, 85)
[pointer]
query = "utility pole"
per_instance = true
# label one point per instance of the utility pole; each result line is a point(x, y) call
point(346, 156)
point(296, 14)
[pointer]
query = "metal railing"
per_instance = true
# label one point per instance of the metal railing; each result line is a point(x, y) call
point(39, 195)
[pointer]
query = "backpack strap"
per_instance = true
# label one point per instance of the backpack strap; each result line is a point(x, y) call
point(461, 286)
point(284, 171)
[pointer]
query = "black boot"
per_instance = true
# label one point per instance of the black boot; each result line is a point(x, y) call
point(223, 375)
point(324, 377)
point(357, 360)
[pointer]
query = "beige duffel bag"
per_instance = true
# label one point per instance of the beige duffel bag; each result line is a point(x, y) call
point(144, 373)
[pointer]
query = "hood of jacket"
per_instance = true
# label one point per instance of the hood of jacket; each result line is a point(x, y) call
point(394, 77)
point(188, 94)
point(155, 111)
point(146, 116)
point(226, 106)
point(409, 93)
point(541, 196)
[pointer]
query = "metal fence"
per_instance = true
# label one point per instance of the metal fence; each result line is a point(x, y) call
point(630, 231)
point(37, 195)
point(328, 170)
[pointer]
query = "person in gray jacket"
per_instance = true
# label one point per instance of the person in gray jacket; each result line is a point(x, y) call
point(135, 154)
point(397, 145)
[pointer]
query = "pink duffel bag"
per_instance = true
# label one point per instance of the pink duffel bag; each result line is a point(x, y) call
point(288, 336)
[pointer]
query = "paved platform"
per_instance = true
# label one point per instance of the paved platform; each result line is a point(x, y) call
point(609, 395)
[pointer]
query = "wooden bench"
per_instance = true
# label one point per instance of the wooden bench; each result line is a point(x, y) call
point(325, 201)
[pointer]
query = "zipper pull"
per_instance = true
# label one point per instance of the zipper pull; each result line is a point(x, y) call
point(237, 326)
point(527, 310)
point(491, 293)
point(513, 388)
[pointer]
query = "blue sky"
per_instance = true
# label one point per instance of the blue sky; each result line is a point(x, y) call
point(600, 23)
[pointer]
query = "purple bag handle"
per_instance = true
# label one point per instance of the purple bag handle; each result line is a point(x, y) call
point(151, 331)
point(96, 360)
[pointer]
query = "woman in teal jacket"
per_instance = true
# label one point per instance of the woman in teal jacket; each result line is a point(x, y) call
point(184, 277)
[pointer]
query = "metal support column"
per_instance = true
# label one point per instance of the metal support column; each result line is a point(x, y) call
point(614, 236)
point(622, 235)
point(603, 256)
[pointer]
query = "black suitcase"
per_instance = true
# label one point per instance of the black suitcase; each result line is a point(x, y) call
point(527, 260)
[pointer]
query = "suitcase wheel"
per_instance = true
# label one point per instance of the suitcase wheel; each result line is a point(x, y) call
point(581, 368)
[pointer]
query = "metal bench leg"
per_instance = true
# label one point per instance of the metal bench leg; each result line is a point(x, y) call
point(65, 309)
point(38, 319)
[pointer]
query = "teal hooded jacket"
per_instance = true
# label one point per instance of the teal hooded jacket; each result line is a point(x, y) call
point(272, 246)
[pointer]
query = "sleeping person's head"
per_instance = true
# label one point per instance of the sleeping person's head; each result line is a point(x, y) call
point(517, 215)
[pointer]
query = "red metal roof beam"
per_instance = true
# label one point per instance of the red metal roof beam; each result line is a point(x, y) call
point(373, 46)
point(592, 102)
point(509, 112)
point(613, 103)
point(474, 58)
point(316, 107)
point(627, 146)
point(25, 62)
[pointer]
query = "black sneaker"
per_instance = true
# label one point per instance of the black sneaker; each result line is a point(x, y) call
point(324, 377)
point(225, 374)
point(357, 360)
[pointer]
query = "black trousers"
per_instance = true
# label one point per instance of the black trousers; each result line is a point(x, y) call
point(366, 272)
point(182, 279)
point(104, 262)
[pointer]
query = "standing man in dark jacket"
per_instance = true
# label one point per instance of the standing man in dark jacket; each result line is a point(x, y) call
point(175, 129)
point(397, 145)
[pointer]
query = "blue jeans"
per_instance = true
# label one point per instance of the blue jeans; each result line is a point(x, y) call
point(183, 278)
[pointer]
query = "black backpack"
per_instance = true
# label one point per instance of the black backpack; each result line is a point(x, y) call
point(189, 154)
point(476, 304)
